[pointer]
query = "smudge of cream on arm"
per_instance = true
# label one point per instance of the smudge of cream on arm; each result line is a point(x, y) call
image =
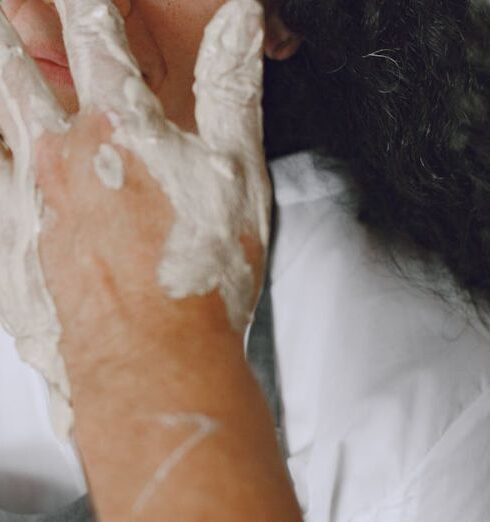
point(109, 167)
point(204, 428)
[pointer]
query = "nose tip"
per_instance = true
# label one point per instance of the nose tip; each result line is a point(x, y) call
point(124, 6)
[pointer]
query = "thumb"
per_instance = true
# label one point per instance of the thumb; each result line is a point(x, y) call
point(228, 85)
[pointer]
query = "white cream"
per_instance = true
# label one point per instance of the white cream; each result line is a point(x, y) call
point(204, 428)
point(217, 183)
point(27, 311)
point(96, 43)
point(109, 167)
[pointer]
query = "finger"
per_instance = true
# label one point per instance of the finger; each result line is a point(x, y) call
point(228, 83)
point(228, 92)
point(103, 69)
point(27, 105)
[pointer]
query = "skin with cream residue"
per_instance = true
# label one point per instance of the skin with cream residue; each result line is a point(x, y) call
point(218, 257)
point(26, 308)
point(205, 427)
point(109, 167)
point(216, 182)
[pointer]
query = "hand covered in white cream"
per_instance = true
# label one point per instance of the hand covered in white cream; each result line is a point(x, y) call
point(122, 202)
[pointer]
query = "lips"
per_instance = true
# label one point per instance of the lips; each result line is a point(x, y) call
point(49, 54)
point(53, 63)
point(56, 74)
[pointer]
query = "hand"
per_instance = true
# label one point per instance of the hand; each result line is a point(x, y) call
point(133, 210)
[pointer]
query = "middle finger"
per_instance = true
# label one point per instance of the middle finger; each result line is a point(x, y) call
point(102, 65)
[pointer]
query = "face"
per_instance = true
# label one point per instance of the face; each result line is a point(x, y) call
point(164, 36)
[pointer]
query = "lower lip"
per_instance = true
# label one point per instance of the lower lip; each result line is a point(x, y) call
point(55, 73)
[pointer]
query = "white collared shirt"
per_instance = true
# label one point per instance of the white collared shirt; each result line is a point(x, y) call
point(385, 387)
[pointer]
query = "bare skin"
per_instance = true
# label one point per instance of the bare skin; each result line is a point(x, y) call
point(137, 359)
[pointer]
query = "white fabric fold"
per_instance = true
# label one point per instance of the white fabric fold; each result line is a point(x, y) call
point(379, 376)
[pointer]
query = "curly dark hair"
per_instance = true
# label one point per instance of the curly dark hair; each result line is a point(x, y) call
point(401, 90)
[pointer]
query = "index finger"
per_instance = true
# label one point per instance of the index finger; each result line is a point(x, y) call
point(27, 105)
point(105, 72)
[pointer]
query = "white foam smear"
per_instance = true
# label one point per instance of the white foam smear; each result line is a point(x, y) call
point(109, 167)
point(204, 428)
point(216, 182)
point(26, 308)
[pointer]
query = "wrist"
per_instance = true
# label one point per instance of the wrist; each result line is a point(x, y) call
point(119, 334)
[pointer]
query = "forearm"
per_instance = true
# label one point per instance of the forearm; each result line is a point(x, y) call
point(174, 427)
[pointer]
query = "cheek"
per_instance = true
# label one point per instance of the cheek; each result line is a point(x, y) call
point(177, 28)
point(186, 20)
